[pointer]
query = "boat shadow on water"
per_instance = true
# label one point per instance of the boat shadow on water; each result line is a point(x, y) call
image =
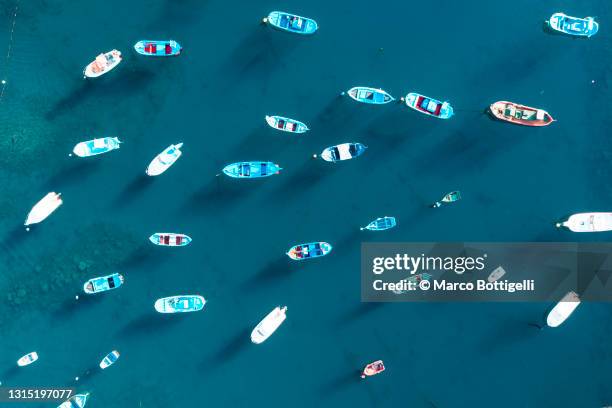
point(221, 193)
point(132, 190)
point(75, 171)
point(147, 323)
point(337, 116)
point(340, 383)
point(9, 373)
point(231, 348)
point(70, 306)
point(11, 241)
point(146, 255)
point(86, 376)
point(298, 182)
point(271, 272)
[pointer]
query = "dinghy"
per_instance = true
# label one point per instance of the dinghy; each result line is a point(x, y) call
point(310, 250)
point(286, 124)
point(252, 169)
point(520, 114)
point(158, 48)
point(169, 239)
point(27, 359)
point(103, 283)
point(269, 324)
point(180, 304)
point(164, 160)
point(563, 309)
point(588, 222)
point(96, 146)
point(291, 23)
point(414, 280)
point(428, 106)
point(374, 368)
point(344, 151)
point(582, 27)
point(496, 274)
point(380, 224)
point(76, 401)
point(109, 359)
point(449, 198)
point(102, 64)
point(372, 96)
point(43, 209)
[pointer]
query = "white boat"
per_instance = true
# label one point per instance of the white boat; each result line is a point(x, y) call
point(164, 160)
point(43, 209)
point(180, 304)
point(96, 146)
point(268, 325)
point(102, 64)
point(27, 359)
point(588, 222)
point(344, 151)
point(496, 274)
point(109, 359)
point(563, 309)
point(76, 401)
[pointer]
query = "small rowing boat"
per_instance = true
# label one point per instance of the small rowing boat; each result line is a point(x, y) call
point(369, 95)
point(164, 160)
point(449, 198)
point(588, 222)
point(581, 27)
point(269, 324)
point(380, 224)
point(27, 359)
point(180, 304)
point(102, 64)
point(43, 209)
point(563, 309)
point(374, 368)
point(344, 151)
point(496, 274)
point(103, 283)
point(76, 401)
point(96, 146)
point(428, 106)
point(520, 114)
point(291, 22)
point(310, 250)
point(164, 48)
point(286, 124)
point(109, 359)
point(252, 169)
point(169, 239)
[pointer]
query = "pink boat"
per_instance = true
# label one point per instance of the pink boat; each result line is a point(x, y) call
point(374, 368)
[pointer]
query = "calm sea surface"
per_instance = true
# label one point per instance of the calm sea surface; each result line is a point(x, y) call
point(516, 183)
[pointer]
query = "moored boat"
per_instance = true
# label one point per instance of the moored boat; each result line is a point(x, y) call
point(269, 324)
point(27, 359)
point(374, 368)
point(496, 274)
point(563, 309)
point(588, 222)
point(286, 124)
point(291, 22)
point(76, 401)
point(158, 48)
point(381, 224)
point(180, 304)
point(369, 95)
point(449, 198)
point(102, 64)
point(96, 146)
point(109, 359)
point(344, 151)
point(582, 27)
point(103, 283)
point(310, 250)
point(251, 169)
point(43, 208)
point(428, 106)
point(415, 281)
point(169, 239)
point(164, 160)
point(520, 114)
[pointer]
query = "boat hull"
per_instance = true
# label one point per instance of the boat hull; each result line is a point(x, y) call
point(309, 250)
point(520, 114)
point(344, 151)
point(252, 169)
point(27, 359)
point(292, 23)
point(374, 368)
point(286, 124)
point(563, 309)
point(43, 208)
point(109, 359)
point(98, 68)
point(429, 106)
point(180, 304)
point(369, 95)
point(164, 160)
point(154, 48)
point(170, 239)
point(268, 325)
point(381, 224)
point(589, 222)
point(103, 283)
point(96, 146)
point(574, 26)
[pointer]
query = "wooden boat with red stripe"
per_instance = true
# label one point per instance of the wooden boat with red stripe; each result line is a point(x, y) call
point(374, 368)
point(169, 239)
point(520, 114)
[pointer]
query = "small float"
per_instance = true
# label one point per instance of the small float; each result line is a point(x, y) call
point(291, 23)
point(520, 114)
point(170, 239)
point(103, 63)
point(344, 151)
point(286, 124)
point(369, 95)
point(374, 368)
point(581, 27)
point(153, 48)
point(103, 283)
point(27, 359)
point(164, 160)
point(109, 359)
point(380, 224)
point(588, 222)
point(269, 324)
point(43, 209)
point(310, 250)
point(428, 106)
point(563, 309)
point(180, 304)
point(96, 146)
point(251, 169)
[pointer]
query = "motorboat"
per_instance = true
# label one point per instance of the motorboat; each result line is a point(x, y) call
point(155, 48)
point(170, 239)
point(374, 368)
point(180, 304)
point(496, 274)
point(428, 106)
point(291, 23)
point(344, 151)
point(588, 222)
point(103, 63)
point(76, 401)
point(96, 146)
point(27, 359)
point(251, 169)
point(563, 309)
point(414, 280)
point(109, 359)
point(520, 114)
point(310, 250)
point(380, 224)
point(286, 124)
point(103, 283)
point(449, 198)
point(369, 95)
point(269, 324)
point(581, 27)
point(43, 209)
point(164, 160)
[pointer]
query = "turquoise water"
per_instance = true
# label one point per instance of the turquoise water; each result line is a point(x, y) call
point(516, 182)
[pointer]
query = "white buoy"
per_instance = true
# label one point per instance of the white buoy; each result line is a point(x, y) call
point(77, 297)
point(3, 82)
point(314, 156)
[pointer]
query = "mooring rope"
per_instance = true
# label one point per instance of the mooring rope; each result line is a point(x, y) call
point(9, 51)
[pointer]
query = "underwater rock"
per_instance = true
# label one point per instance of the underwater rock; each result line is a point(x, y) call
point(83, 265)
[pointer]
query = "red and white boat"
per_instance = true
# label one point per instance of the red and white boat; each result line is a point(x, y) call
point(520, 114)
point(27, 359)
point(374, 368)
point(169, 239)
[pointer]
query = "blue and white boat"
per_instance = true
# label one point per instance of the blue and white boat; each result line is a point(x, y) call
point(164, 160)
point(310, 250)
point(380, 224)
point(156, 48)
point(96, 146)
point(581, 27)
point(372, 96)
point(103, 283)
point(286, 124)
point(76, 401)
point(344, 151)
point(428, 106)
point(180, 304)
point(291, 22)
point(109, 359)
point(251, 169)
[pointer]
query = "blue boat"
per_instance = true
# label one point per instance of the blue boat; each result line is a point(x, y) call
point(372, 96)
point(581, 27)
point(291, 22)
point(180, 304)
point(380, 224)
point(428, 106)
point(156, 48)
point(252, 169)
point(103, 283)
point(96, 146)
point(310, 250)
point(344, 151)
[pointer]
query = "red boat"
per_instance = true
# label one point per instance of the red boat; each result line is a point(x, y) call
point(169, 239)
point(520, 114)
point(374, 368)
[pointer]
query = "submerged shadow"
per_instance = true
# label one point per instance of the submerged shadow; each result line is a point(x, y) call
point(359, 312)
point(9, 374)
point(86, 375)
point(300, 181)
point(76, 170)
point(230, 350)
point(148, 323)
point(13, 239)
point(145, 255)
point(342, 382)
point(70, 306)
point(508, 334)
point(136, 187)
point(272, 271)
point(221, 193)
